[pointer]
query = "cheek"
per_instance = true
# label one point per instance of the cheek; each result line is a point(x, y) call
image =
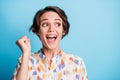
point(61, 33)
point(41, 37)
point(42, 32)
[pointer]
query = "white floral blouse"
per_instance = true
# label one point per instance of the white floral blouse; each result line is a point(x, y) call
point(63, 67)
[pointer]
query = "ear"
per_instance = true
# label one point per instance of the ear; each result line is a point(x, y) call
point(63, 33)
point(37, 33)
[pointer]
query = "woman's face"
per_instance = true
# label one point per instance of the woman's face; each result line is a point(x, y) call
point(51, 30)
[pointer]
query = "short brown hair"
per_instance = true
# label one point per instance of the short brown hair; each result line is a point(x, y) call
point(35, 26)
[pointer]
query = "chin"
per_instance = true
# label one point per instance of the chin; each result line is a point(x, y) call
point(52, 47)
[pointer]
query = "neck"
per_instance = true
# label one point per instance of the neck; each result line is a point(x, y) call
point(50, 53)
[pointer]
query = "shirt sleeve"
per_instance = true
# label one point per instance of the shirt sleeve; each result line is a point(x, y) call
point(82, 71)
point(16, 68)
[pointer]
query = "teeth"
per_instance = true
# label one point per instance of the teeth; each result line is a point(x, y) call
point(51, 36)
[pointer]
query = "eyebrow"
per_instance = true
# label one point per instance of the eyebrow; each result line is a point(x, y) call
point(43, 20)
point(58, 20)
point(47, 19)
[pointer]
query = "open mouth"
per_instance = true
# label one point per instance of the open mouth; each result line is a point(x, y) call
point(51, 37)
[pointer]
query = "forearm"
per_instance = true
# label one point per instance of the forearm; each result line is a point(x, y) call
point(23, 71)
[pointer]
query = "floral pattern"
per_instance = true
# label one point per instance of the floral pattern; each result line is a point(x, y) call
point(63, 67)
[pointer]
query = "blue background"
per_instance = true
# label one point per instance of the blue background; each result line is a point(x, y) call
point(94, 34)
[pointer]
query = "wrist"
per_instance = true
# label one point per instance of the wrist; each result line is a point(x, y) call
point(26, 54)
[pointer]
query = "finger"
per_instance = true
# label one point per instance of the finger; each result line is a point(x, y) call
point(20, 41)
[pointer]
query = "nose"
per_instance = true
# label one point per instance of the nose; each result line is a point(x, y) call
point(51, 29)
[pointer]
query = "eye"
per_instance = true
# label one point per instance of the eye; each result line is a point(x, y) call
point(44, 24)
point(57, 24)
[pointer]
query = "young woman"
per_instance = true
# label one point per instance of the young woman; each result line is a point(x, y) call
point(50, 63)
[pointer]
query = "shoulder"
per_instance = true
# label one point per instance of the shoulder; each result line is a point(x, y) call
point(73, 58)
point(69, 55)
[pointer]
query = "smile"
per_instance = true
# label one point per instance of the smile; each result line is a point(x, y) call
point(51, 37)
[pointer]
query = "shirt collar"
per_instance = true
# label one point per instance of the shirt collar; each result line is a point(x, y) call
point(41, 55)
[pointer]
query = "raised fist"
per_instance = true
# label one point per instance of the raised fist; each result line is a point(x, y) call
point(24, 44)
